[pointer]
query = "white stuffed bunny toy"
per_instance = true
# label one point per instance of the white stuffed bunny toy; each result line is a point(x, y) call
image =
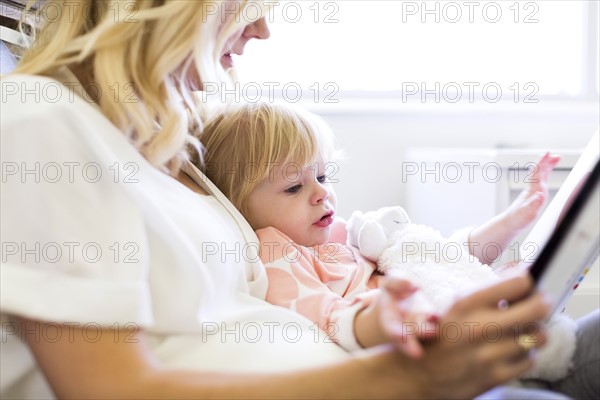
point(370, 232)
point(443, 269)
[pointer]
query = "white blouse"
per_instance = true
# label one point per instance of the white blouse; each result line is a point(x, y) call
point(94, 236)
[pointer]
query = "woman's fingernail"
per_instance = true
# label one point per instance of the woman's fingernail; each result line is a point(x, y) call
point(433, 319)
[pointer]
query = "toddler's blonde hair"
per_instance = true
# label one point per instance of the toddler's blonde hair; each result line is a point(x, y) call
point(243, 143)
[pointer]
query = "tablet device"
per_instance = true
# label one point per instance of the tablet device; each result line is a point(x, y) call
point(568, 233)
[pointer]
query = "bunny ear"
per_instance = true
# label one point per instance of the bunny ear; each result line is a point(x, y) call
point(402, 215)
point(356, 215)
point(372, 240)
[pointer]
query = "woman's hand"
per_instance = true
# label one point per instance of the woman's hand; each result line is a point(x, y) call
point(479, 345)
point(510, 268)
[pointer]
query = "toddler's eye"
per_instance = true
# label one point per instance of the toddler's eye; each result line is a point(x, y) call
point(293, 189)
point(322, 178)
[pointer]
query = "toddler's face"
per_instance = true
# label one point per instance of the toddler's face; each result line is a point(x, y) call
point(298, 200)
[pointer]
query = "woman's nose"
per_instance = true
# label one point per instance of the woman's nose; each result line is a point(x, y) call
point(259, 29)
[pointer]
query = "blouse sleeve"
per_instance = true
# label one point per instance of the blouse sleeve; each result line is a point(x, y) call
point(300, 282)
point(73, 243)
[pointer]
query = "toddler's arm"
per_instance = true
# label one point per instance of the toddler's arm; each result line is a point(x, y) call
point(503, 228)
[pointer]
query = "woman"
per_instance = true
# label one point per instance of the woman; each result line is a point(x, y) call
point(126, 274)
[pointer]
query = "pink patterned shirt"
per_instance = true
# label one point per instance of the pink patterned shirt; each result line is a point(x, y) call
point(327, 284)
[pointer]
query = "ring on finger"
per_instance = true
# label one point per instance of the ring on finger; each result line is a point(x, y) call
point(526, 342)
point(503, 304)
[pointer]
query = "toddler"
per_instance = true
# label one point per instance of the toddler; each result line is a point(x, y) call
point(272, 162)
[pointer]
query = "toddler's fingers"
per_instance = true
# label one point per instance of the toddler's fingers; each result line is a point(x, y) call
point(412, 348)
point(398, 287)
point(555, 159)
point(547, 163)
point(405, 336)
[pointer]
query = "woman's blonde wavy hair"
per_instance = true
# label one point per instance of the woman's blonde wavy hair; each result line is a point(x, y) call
point(245, 142)
point(150, 45)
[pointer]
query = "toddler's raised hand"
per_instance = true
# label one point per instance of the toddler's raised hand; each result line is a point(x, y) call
point(526, 208)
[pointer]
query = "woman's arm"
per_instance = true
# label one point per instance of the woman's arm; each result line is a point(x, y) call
point(107, 369)
point(454, 366)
